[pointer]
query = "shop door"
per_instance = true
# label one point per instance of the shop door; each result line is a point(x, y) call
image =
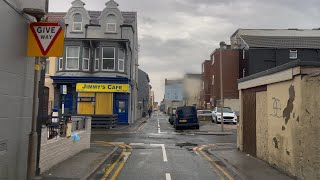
point(68, 102)
point(86, 103)
point(122, 111)
point(104, 103)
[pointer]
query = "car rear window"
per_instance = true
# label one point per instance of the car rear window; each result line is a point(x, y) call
point(207, 112)
point(186, 111)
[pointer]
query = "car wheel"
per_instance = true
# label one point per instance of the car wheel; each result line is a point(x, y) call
point(197, 127)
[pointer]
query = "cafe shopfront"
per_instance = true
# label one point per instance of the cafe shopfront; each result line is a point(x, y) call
point(103, 99)
point(101, 96)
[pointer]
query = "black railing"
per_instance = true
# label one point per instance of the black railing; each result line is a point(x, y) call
point(104, 121)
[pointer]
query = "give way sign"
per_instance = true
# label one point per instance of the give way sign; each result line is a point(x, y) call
point(45, 39)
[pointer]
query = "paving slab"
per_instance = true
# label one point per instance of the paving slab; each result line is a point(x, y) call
point(246, 166)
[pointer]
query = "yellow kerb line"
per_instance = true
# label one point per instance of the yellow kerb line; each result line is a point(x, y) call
point(124, 160)
point(214, 169)
point(112, 167)
point(217, 166)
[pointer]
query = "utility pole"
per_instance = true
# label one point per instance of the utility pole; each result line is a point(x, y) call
point(222, 45)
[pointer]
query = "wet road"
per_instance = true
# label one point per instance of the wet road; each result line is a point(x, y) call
point(157, 151)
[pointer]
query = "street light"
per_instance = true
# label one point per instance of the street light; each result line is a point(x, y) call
point(222, 46)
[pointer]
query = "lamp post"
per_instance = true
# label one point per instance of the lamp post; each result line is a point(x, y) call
point(222, 45)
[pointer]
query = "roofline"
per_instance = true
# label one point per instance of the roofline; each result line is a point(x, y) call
point(280, 68)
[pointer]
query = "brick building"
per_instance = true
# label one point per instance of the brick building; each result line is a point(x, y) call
point(206, 84)
point(230, 69)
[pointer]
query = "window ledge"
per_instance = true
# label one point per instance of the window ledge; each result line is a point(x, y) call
point(110, 32)
point(76, 32)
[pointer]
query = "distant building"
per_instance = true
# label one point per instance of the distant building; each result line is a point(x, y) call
point(192, 89)
point(230, 74)
point(143, 94)
point(173, 93)
point(206, 85)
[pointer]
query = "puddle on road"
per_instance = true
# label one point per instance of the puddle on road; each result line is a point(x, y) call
point(186, 144)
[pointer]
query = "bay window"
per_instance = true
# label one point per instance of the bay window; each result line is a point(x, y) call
point(96, 59)
point(72, 58)
point(86, 58)
point(108, 58)
point(121, 60)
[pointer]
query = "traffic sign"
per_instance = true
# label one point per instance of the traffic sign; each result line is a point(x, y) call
point(45, 39)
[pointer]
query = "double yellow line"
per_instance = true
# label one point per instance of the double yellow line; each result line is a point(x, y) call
point(213, 165)
point(141, 127)
point(126, 152)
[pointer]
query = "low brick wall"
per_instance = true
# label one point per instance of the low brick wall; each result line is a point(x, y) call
point(56, 150)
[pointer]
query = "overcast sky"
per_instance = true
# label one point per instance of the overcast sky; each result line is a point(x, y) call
point(176, 36)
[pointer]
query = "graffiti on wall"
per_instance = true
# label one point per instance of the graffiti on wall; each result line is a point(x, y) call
point(276, 108)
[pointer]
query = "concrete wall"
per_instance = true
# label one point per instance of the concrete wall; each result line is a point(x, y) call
point(57, 150)
point(261, 125)
point(287, 126)
point(234, 104)
point(16, 92)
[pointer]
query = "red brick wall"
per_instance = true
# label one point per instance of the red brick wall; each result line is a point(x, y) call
point(230, 64)
point(206, 78)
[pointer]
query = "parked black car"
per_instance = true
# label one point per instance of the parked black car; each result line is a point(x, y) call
point(186, 116)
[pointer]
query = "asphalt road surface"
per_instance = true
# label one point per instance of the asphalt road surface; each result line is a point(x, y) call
point(157, 151)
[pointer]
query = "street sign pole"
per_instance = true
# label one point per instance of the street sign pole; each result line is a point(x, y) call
point(33, 136)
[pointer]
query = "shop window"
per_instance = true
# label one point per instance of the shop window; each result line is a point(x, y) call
point(72, 58)
point(86, 58)
point(108, 58)
point(122, 106)
point(121, 60)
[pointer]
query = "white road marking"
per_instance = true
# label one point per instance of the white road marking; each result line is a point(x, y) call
point(168, 176)
point(137, 144)
point(164, 153)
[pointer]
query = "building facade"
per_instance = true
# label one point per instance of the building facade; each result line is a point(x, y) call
point(174, 93)
point(206, 85)
point(230, 74)
point(99, 67)
point(143, 94)
point(263, 49)
point(16, 89)
point(192, 89)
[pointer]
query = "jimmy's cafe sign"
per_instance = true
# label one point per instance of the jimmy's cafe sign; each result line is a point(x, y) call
point(90, 87)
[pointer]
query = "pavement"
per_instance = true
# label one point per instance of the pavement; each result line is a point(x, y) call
point(243, 166)
point(82, 165)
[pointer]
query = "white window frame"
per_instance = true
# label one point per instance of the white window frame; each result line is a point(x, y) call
point(47, 65)
point(96, 59)
point(114, 59)
point(60, 60)
point(72, 57)
point(202, 84)
point(84, 59)
point(73, 23)
point(293, 51)
point(123, 60)
point(115, 27)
